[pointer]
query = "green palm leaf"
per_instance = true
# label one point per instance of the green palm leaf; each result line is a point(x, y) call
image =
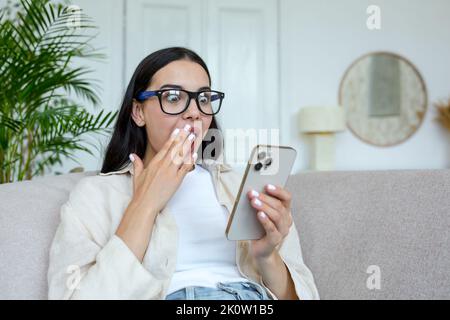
point(40, 126)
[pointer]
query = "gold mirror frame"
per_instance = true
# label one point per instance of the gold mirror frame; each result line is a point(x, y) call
point(382, 128)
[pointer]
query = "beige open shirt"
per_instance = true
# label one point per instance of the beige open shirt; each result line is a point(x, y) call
point(88, 261)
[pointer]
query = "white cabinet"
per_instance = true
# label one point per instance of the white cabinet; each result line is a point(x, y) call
point(155, 24)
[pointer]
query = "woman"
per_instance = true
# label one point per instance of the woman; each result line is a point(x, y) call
point(151, 224)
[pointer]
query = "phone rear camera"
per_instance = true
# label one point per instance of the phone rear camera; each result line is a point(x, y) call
point(261, 155)
point(258, 166)
point(268, 162)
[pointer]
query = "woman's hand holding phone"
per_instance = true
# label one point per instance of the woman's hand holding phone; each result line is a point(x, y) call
point(276, 220)
point(274, 212)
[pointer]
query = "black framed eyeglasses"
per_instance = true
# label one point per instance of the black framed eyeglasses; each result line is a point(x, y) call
point(176, 101)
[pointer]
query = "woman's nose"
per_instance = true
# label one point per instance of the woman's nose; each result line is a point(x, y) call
point(192, 110)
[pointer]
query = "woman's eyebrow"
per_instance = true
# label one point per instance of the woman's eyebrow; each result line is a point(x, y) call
point(175, 86)
point(171, 86)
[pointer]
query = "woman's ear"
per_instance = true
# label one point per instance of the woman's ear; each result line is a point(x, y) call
point(137, 113)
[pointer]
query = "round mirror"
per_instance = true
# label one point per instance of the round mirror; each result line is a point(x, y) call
point(384, 97)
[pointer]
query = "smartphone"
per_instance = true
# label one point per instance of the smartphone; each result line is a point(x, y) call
point(267, 164)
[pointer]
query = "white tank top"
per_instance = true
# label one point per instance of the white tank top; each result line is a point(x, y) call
point(205, 255)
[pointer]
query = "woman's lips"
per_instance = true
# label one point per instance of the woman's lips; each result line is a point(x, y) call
point(197, 131)
point(194, 131)
point(195, 143)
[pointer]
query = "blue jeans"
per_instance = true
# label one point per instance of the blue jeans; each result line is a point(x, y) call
point(242, 290)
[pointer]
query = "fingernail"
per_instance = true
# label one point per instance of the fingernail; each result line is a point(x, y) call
point(187, 128)
point(194, 156)
point(175, 132)
point(131, 157)
point(255, 193)
point(271, 187)
point(262, 215)
point(257, 202)
point(191, 137)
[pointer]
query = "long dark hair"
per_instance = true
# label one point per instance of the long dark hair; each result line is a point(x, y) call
point(127, 136)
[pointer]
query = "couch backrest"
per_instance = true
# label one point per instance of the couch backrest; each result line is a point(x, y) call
point(29, 216)
point(394, 222)
point(355, 226)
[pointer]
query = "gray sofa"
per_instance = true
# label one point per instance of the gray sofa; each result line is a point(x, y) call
point(364, 235)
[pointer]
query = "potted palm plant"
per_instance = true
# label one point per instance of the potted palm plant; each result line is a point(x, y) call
point(41, 123)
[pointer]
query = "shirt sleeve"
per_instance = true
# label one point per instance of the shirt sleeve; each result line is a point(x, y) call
point(291, 253)
point(81, 268)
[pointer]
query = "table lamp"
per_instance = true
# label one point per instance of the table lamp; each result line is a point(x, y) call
point(320, 124)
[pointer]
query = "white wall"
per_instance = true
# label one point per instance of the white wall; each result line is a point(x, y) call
point(321, 38)
point(318, 40)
